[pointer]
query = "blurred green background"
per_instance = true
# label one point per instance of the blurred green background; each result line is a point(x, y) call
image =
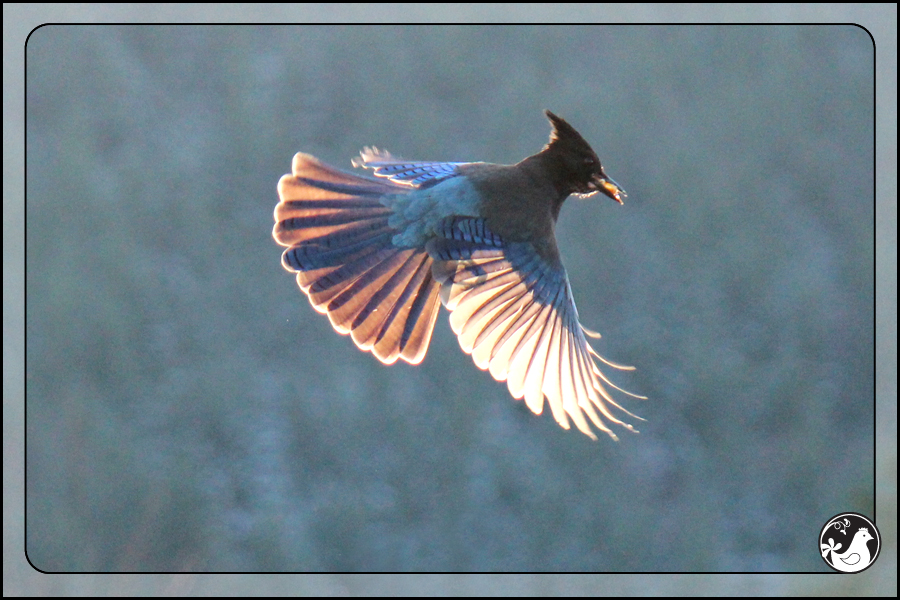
point(187, 410)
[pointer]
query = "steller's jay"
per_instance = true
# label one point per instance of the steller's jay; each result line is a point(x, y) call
point(378, 256)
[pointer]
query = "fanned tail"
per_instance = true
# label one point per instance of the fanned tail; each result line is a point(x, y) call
point(340, 245)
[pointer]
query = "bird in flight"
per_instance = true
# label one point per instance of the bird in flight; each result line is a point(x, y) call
point(380, 255)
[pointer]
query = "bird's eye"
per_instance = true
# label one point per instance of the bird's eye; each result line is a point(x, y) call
point(588, 160)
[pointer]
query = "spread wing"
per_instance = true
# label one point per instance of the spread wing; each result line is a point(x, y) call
point(513, 312)
point(416, 174)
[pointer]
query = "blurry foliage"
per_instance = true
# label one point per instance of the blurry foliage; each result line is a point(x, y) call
point(187, 409)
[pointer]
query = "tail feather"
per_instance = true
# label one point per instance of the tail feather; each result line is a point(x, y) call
point(335, 250)
point(306, 224)
point(344, 308)
point(413, 342)
point(414, 296)
point(314, 180)
point(378, 302)
point(326, 290)
point(339, 243)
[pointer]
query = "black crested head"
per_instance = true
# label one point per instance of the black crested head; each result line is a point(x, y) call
point(576, 167)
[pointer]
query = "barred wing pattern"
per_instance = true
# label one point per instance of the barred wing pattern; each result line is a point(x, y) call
point(417, 174)
point(514, 313)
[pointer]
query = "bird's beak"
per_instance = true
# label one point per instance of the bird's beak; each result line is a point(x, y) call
point(604, 184)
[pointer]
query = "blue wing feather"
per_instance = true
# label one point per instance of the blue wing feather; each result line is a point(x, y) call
point(514, 313)
point(418, 174)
